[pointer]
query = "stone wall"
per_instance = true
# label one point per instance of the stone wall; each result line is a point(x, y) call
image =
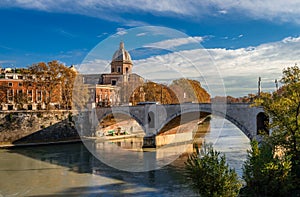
point(36, 126)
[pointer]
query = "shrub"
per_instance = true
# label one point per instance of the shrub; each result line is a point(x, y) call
point(266, 174)
point(209, 174)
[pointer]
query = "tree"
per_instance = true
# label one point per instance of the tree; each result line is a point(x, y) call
point(80, 94)
point(68, 80)
point(3, 94)
point(55, 80)
point(264, 173)
point(283, 109)
point(151, 91)
point(20, 99)
point(209, 174)
point(188, 90)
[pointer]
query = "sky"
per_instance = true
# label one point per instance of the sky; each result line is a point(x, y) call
point(225, 44)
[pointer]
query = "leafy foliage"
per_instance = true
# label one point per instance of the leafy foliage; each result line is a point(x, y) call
point(191, 89)
point(266, 174)
point(155, 92)
point(56, 81)
point(283, 109)
point(209, 174)
point(180, 90)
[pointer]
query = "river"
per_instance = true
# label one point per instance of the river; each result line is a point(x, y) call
point(71, 170)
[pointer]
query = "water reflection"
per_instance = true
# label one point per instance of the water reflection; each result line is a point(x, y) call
point(71, 170)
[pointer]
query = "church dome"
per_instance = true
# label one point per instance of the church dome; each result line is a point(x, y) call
point(121, 54)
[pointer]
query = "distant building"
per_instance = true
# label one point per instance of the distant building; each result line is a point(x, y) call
point(20, 90)
point(116, 87)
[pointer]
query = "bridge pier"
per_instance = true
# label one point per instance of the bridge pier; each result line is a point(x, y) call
point(149, 142)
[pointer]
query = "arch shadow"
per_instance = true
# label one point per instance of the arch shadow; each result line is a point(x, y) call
point(130, 115)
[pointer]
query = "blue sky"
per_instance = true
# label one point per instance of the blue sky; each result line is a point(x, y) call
point(246, 39)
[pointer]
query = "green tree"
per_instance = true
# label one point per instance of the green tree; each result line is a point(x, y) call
point(283, 108)
point(264, 173)
point(209, 174)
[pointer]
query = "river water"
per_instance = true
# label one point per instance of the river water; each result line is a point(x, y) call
point(71, 170)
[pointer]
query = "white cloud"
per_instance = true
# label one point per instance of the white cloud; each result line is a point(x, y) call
point(291, 39)
point(7, 62)
point(173, 43)
point(121, 32)
point(141, 34)
point(223, 11)
point(239, 68)
point(110, 10)
point(102, 34)
point(95, 66)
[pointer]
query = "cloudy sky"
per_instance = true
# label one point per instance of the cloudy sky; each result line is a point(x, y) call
point(225, 43)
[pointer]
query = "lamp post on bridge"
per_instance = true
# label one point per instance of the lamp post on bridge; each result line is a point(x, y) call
point(276, 84)
point(259, 86)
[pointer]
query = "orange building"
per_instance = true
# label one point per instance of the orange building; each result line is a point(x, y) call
point(18, 91)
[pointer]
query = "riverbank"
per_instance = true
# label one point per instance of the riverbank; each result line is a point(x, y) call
point(36, 127)
point(40, 143)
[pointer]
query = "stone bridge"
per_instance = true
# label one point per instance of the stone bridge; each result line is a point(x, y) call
point(152, 118)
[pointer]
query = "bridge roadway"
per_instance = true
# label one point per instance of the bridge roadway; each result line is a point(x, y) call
point(152, 118)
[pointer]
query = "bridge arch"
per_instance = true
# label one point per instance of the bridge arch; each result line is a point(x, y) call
point(262, 120)
point(242, 115)
point(240, 126)
point(130, 115)
point(182, 115)
point(217, 113)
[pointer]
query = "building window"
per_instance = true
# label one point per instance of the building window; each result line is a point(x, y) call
point(20, 91)
point(10, 95)
point(113, 82)
point(20, 77)
point(20, 84)
point(10, 84)
point(10, 107)
point(126, 69)
point(39, 95)
point(10, 77)
point(119, 69)
point(112, 70)
point(29, 95)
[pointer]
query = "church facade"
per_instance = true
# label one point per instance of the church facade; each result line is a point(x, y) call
point(118, 86)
